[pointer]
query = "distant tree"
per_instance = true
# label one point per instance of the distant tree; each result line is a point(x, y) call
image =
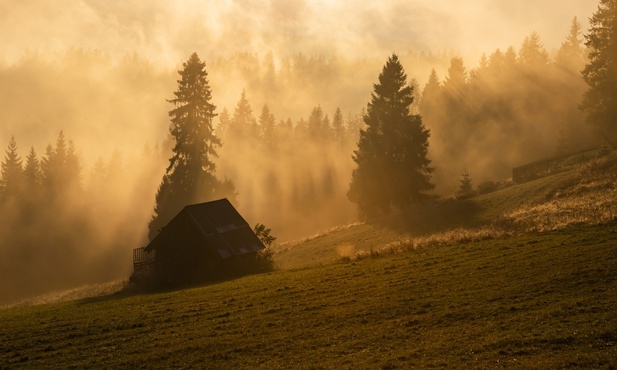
point(267, 125)
point(456, 80)
point(465, 188)
point(430, 104)
point(600, 100)
point(224, 123)
point(496, 63)
point(353, 125)
point(392, 165)
point(32, 172)
point(571, 54)
point(326, 127)
point(97, 185)
point(285, 130)
point(49, 167)
point(456, 123)
point(61, 170)
point(12, 171)
point(243, 123)
point(316, 130)
point(190, 176)
point(301, 129)
point(414, 108)
point(509, 59)
point(478, 76)
point(72, 171)
point(532, 54)
point(338, 126)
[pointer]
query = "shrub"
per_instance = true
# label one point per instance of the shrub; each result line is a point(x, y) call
point(487, 187)
point(264, 261)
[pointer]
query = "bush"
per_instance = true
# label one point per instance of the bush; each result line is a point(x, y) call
point(264, 261)
point(488, 187)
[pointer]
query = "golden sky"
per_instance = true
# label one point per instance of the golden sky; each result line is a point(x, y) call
point(168, 31)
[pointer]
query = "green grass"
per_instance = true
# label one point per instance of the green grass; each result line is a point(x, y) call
point(458, 293)
point(418, 222)
point(545, 300)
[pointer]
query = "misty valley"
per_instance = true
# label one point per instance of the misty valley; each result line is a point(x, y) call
point(397, 209)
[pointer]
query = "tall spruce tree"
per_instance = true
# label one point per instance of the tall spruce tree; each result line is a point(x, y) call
point(32, 173)
point(190, 176)
point(600, 100)
point(532, 54)
point(12, 171)
point(338, 126)
point(243, 123)
point(393, 170)
point(571, 54)
point(267, 125)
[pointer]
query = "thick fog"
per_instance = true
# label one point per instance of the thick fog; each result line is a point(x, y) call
point(100, 72)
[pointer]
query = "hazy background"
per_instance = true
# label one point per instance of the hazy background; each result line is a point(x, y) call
point(166, 32)
point(101, 71)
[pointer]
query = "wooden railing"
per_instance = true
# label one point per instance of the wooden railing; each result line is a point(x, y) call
point(548, 166)
point(142, 258)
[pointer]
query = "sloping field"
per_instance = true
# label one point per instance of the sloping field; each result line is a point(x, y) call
point(524, 277)
point(443, 220)
point(544, 300)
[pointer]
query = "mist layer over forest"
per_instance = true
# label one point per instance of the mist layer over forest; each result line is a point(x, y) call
point(289, 115)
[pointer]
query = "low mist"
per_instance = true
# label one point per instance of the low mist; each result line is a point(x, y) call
point(96, 76)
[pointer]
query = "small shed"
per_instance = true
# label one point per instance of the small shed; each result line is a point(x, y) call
point(202, 242)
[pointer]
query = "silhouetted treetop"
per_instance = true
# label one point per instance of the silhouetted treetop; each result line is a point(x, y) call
point(190, 177)
point(600, 100)
point(392, 165)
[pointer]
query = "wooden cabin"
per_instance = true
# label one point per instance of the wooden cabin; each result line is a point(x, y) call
point(203, 242)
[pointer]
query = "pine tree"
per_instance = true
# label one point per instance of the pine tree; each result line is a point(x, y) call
point(53, 166)
point(98, 185)
point(510, 60)
point(243, 123)
point(456, 80)
point(315, 126)
point(48, 168)
point(337, 126)
point(392, 166)
point(353, 125)
point(430, 104)
point(224, 123)
point(496, 63)
point(12, 171)
point(532, 54)
point(456, 109)
point(267, 124)
point(465, 187)
point(326, 127)
point(72, 172)
point(571, 54)
point(61, 170)
point(32, 172)
point(600, 100)
point(190, 176)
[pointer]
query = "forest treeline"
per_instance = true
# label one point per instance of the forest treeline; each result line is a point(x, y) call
point(61, 226)
point(288, 128)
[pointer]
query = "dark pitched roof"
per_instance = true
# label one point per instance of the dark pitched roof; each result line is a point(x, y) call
point(223, 229)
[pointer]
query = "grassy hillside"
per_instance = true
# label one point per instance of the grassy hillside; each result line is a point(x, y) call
point(447, 219)
point(544, 300)
point(524, 277)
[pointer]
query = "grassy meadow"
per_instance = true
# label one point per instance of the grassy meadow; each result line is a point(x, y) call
point(525, 277)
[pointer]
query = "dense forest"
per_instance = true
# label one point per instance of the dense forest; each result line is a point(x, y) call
point(288, 127)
